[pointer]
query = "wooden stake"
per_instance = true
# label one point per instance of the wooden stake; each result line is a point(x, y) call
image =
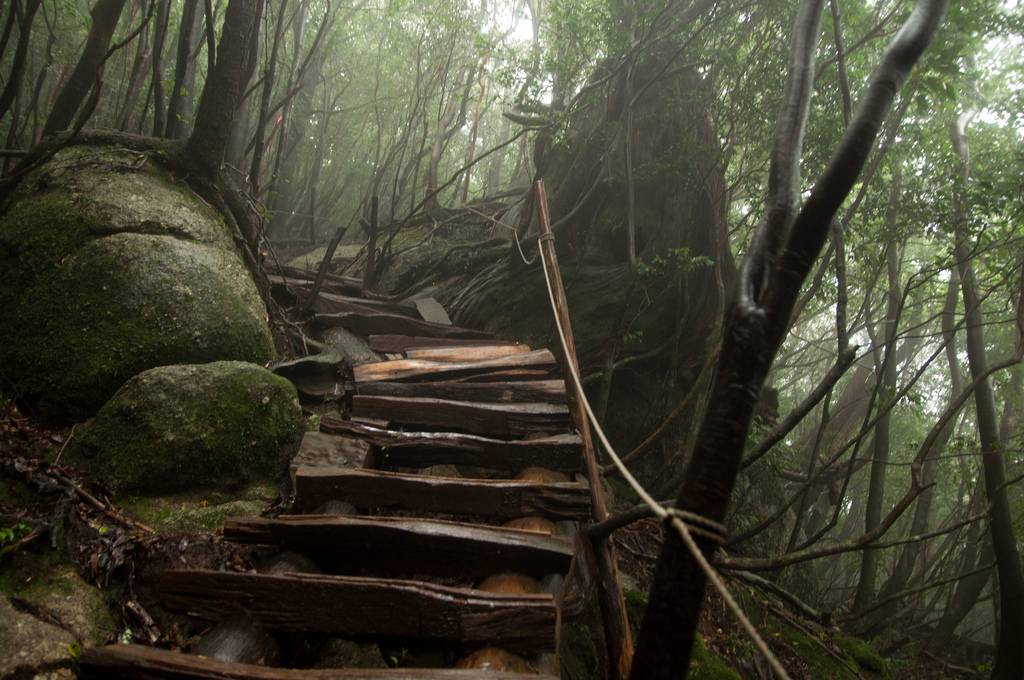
point(618, 638)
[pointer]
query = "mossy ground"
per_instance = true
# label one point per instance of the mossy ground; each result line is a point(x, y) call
point(192, 511)
point(110, 267)
point(220, 425)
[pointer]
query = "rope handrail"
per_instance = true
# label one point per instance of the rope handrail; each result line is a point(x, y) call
point(672, 517)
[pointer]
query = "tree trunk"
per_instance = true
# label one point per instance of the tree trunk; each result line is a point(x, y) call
point(1010, 652)
point(914, 552)
point(17, 74)
point(135, 79)
point(887, 388)
point(223, 90)
point(269, 77)
point(160, 26)
point(105, 15)
point(179, 109)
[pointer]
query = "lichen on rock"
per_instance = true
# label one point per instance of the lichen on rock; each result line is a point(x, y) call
point(220, 425)
point(108, 267)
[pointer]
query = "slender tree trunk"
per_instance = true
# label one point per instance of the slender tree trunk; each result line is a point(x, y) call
point(160, 26)
point(105, 15)
point(135, 79)
point(887, 387)
point(913, 552)
point(269, 76)
point(179, 109)
point(224, 86)
point(17, 74)
point(1009, 663)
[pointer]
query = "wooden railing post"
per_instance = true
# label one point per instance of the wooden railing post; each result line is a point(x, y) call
point(618, 638)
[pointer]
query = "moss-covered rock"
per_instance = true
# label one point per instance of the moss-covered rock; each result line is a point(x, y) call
point(47, 614)
point(109, 267)
point(862, 652)
point(218, 425)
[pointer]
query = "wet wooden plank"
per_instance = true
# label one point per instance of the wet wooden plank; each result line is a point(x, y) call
point(295, 278)
point(465, 353)
point(320, 449)
point(380, 323)
point(350, 606)
point(424, 449)
point(489, 419)
point(400, 343)
point(485, 497)
point(332, 303)
point(130, 662)
point(551, 391)
point(508, 375)
point(399, 545)
point(135, 662)
point(422, 369)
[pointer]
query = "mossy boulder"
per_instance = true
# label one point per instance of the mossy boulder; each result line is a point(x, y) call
point(110, 266)
point(220, 425)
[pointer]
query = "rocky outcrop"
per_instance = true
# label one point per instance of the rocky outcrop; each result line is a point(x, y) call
point(220, 425)
point(109, 266)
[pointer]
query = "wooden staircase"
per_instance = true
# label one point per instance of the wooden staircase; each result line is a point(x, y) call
point(472, 557)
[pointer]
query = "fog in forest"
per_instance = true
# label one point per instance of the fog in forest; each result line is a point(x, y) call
point(287, 287)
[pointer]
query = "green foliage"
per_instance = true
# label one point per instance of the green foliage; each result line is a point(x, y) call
point(12, 533)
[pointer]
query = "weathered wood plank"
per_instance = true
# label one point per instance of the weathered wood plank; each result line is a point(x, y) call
point(508, 375)
point(465, 352)
point(332, 303)
point(551, 391)
point(400, 546)
point(350, 606)
point(380, 323)
point(401, 343)
point(295, 278)
point(135, 662)
point(424, 449)
point(485, 497)
point(321, 449)
point(494, 420)
point(422, 369)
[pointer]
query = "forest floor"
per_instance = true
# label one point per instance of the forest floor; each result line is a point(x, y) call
point(80, 571)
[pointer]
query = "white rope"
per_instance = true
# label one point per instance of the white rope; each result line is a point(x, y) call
point(658, 509)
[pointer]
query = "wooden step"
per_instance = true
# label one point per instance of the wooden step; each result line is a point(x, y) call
point(456, 495)
point(401, 343)
point(131, 662)
point(135, 662)
point(495, 420)
point(422, 369)
point(323, 450)
point(407, 545)
point(465, 353)
point(355, 606)
point(562, 452)
point(378, 323)
point(550, 391)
